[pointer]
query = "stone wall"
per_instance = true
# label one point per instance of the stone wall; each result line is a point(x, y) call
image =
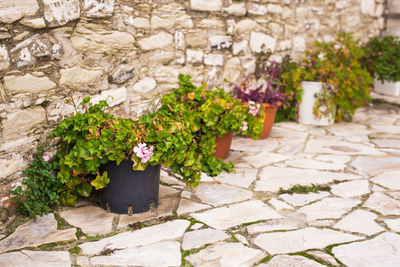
point(128, 51)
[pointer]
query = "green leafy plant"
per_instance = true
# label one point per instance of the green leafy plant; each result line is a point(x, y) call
point(40, 191)
point(289, 84)
point(338, 65)
point(180, 135)
point(382, 58)
point(209, 113)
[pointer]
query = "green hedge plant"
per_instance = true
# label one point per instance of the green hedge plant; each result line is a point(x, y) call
point(382, 58)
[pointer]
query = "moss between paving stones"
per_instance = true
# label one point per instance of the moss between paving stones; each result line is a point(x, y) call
point(328, 250)
point(304, 189)
point(264, 260)
point(311, 257)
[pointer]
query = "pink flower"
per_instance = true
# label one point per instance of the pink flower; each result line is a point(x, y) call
point(244, 127)
point(143, 152)
point(140, 150)
point(46, 158)
point(253, 108)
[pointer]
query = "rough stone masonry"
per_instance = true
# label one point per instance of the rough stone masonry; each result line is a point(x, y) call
point(128, 52)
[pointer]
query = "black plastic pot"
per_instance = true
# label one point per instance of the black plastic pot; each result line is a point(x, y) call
point(130, 191)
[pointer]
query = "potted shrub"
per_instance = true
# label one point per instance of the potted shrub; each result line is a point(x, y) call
point(267, 94)
point(345, 83)
point(213, 113)
point(382, 59)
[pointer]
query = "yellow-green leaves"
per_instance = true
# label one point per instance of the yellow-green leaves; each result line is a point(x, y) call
point(101, 181)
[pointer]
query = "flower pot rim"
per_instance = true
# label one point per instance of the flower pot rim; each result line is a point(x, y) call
point(305, 81)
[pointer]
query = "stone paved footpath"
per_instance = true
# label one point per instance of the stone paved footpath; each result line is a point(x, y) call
point(243, 219)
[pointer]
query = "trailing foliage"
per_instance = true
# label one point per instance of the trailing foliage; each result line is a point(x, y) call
point(382, 58)
point(338, 65)
point(41, 189)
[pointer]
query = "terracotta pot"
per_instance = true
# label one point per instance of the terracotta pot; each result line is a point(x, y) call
point(223, 145)
point(270, 112)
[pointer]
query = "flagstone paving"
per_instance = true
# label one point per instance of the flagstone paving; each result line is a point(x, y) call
point(243, 218)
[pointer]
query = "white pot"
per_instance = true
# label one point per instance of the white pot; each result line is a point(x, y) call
point(387, 88)
point(306, 106)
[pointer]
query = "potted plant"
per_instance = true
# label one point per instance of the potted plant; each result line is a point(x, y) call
point(122, 157)
point(213, 113)
point(343, 84)
point(267, 94)
point(382, 59)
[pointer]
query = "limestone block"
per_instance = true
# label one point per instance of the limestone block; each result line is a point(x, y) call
point(246, 25)
point(368, 7)
point(141, 23)
point(274, 9)
point(4, 59)
point(179, 40)
point(157, 41)
point(45, 45)
point(37, 23)
point(158, 254)
point(196, 39)
point(236, 9)
point(37, 45)
point(113, 97)
point(21, 145)
point(206, 5)
point(60, 12)
point(95, 38)
point(226, 254)
point(248, 63)
point(11, 11)
point(261, 42)
point(145, 86)
point(393, 27)
point(171, 15)
point(242, 46)
point(59, 110)
point(78, 77)
point(28, 84)
point(157, 23)
point(4, 35)
point(295, 260)
point(25, 57)
point(299, 44)
point(194, 56)
point(10, 165)
point(24, 120)
point(214, 60)
point(164, 57)
point(220, 42)
point(36, 258)
point(256, 9)
point(284, 45)
point(393, 7)
point(233, 70)
point(98, 8)
point(122, 73)
point(382, 250)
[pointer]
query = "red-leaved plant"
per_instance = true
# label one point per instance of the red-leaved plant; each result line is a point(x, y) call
point(265, 93)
